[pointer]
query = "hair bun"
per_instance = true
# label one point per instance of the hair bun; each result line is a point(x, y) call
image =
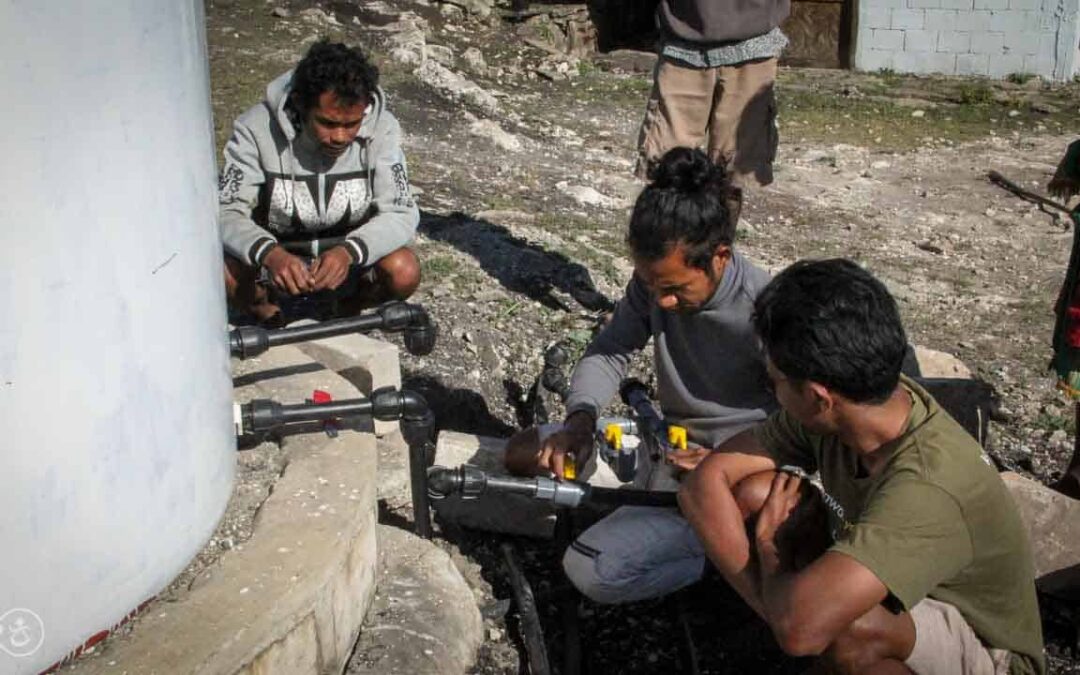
point(687, 170)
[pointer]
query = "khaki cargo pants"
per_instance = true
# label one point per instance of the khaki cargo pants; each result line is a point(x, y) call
point(732, 107)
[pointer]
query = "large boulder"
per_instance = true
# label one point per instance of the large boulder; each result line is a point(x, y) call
point(1052, 521)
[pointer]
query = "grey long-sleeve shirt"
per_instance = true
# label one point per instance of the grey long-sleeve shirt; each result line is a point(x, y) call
point(710, 374)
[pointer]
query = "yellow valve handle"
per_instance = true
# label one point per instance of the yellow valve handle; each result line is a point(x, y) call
point(677, 437)
point(613, 436)
point(569, 467)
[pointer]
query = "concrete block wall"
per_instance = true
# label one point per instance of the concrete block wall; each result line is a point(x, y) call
point(993, 38)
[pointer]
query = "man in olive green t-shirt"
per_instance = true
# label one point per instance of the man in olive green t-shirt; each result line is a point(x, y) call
point(929, 568)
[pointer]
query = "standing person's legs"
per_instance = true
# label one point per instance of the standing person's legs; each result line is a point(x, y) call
point(742, 130)
point(677, 114)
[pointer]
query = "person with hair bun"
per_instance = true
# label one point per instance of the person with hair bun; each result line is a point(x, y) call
point(691, 295)
point(315, 207)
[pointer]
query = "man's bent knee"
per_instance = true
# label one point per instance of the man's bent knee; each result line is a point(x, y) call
point(877, 636)
point(751, 492)
point(400, 273)
point(579, 564)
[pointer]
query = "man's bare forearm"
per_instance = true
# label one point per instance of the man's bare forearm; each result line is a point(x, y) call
point(716, 518)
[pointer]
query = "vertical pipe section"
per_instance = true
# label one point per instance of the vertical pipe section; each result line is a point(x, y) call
point(115, 394)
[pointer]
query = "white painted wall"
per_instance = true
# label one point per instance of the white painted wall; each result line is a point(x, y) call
point(993, 38)
point(116, 441)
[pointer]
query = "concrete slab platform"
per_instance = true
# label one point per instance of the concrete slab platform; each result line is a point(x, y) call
point(290, 600)
point(424, 619)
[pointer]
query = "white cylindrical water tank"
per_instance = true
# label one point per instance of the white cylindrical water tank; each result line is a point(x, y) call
point(117, 446)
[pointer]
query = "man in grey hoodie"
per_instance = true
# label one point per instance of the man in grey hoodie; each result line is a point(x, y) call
point(314, 192)
point(693, 295)
point(714, 80)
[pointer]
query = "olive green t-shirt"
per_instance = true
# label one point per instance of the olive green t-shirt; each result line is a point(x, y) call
point(936, 521)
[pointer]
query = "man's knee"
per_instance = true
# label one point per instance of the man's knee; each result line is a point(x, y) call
point(868, 641)
point(400, 272)
point(522, 451)
point(581, 569)
point(238, 276)
point(242, 292)
point(751, 492)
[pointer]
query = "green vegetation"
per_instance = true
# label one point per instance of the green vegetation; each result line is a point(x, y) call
point(1052, 420)
point(974, 93)
point(889, 77)
point(889, 111)
point(439, 266)
point(586, 68)
point(1019, 78)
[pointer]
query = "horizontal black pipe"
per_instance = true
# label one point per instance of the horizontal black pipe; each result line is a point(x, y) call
point(631, 497)
point(420, 332)
point(384, 404)
point(472, 482)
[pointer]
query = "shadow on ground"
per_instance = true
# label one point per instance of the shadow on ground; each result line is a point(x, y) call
point(462, 410)
point(518, 265)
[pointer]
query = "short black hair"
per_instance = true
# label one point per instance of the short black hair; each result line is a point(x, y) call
point(685, 202)
point(832, 322)
point(332, 66)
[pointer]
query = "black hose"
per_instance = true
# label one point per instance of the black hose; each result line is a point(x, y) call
point(531, 631)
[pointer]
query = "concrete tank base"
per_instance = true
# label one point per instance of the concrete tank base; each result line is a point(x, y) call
point(292, 598)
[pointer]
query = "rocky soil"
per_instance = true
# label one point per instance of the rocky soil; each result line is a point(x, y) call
point(520, 144)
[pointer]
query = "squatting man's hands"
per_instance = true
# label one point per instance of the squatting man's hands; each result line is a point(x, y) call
point(576, 438)
point(331, 268)
point(290, 274)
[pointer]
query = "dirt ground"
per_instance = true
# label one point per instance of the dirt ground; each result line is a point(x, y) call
point(523, 174)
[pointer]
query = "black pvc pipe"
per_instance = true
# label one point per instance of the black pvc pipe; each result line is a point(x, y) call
point(419, 435)
point(472, 482)
point(636, 395)
point(569, 599)
point(412, 320)
point(630, 497)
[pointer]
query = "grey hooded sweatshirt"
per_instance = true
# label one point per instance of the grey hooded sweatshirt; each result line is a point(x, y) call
point(710, 374)
point(276, 184)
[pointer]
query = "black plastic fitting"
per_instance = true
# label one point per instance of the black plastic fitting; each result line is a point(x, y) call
point(413, 321)
point(652, 426)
